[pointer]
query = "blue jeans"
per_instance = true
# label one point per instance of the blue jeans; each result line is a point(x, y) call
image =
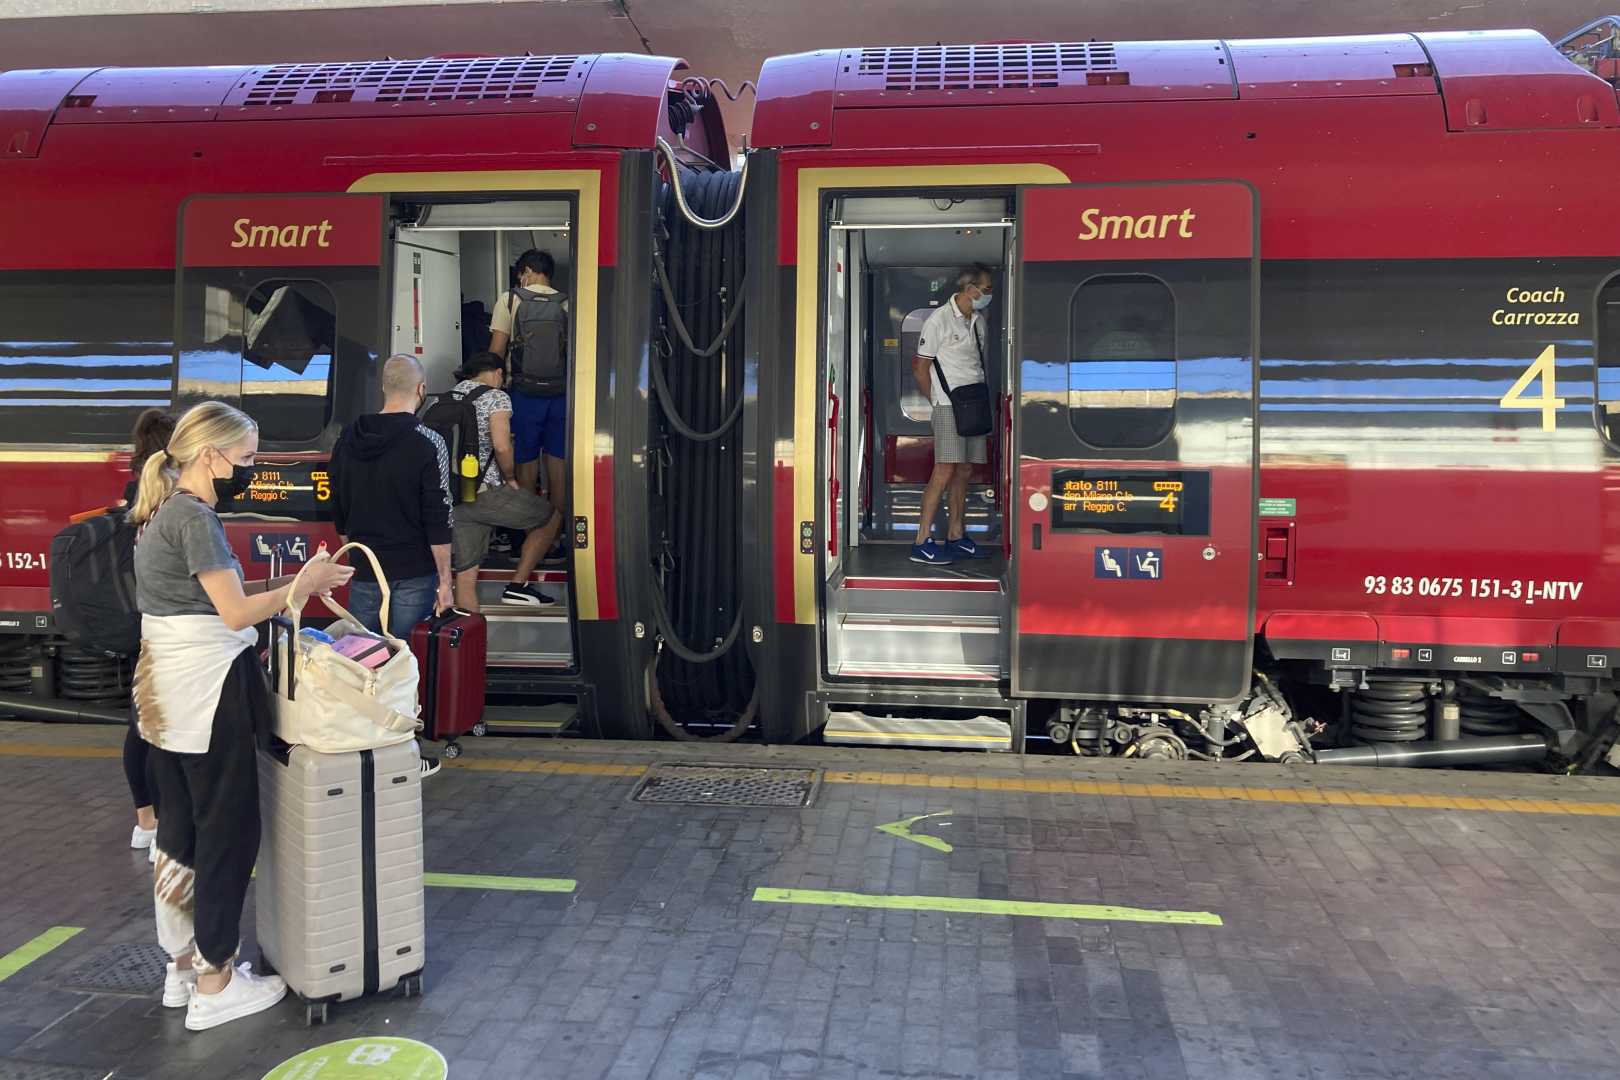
point(410, 602)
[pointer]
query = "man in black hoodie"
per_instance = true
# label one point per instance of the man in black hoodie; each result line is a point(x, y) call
point(391, 492)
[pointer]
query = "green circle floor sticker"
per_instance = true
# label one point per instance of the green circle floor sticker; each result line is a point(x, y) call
point(380, 1058)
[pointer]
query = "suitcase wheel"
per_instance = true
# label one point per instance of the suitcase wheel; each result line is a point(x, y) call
point(411, 986)
point(480, 729)
point(317, 1012)
point(452, 750)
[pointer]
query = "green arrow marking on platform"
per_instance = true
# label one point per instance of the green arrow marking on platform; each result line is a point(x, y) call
point(379, 1058)
point(902, 830)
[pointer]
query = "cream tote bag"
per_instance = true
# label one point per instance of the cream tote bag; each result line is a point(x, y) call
point(332, 704)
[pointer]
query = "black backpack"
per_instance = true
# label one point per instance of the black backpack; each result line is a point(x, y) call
point(538, 350)
point(454, 416)
point(93, 584)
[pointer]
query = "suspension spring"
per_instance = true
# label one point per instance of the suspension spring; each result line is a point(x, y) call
point(88, 676)
point(1487, 715)
point(1389, 710)
point(16, 674)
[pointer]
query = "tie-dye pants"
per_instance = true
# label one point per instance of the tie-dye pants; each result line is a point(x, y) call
point(208, 833)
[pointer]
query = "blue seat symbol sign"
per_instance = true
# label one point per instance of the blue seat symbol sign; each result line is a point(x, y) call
point(1118, 564)
point(291, 547)
point(1109, 563)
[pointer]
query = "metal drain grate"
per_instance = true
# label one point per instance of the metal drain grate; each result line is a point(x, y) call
point(120, 969)
point(726, 785)
point(35, 1070)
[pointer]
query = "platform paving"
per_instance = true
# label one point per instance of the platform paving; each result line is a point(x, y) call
point(1367, 924)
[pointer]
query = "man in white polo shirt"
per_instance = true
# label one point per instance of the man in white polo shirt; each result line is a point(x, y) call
point(952, 341)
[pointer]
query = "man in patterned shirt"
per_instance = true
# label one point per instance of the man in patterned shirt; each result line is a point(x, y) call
point(502, 502)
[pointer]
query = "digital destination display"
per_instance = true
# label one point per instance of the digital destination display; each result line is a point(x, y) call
point(1168, 502)
point(288, 489)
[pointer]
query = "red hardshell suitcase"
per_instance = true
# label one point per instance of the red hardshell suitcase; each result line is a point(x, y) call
point(450, 650)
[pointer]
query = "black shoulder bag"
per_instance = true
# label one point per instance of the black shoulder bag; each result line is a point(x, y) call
point(970, 405)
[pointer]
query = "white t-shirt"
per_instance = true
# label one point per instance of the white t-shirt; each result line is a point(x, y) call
point(956, 342)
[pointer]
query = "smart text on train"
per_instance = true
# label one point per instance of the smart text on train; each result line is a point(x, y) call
point(250, 235)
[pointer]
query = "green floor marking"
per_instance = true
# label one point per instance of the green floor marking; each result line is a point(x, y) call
point(972, 906)
point(20, 957)
point(379, 1058)
point(507, 884)
point(902, 829)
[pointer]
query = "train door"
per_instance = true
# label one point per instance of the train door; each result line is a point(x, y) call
point(1134, 443)
point(277, 302)
point(892, 260)
point(452, 257)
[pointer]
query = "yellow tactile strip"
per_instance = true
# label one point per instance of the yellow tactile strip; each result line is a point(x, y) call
point(1307, 796)
point(536, 765)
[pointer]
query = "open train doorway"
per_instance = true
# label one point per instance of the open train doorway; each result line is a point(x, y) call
point(454, 268)
point(893, 262)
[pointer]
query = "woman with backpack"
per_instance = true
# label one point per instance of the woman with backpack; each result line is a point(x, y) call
point(202, 702)
point(152, 430)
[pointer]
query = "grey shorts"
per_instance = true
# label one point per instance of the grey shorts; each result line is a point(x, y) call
point(497, 508)
point(951, 448)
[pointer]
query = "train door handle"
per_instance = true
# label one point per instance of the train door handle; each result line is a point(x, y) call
point(1035, 537)
point(834, 488)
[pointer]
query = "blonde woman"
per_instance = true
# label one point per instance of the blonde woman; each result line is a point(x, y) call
point(201, 700)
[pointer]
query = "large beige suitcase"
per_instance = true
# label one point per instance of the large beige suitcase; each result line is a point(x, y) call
point(339, 903)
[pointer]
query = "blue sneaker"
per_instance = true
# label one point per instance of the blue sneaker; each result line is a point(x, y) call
point(965, 548)
point(931, 554)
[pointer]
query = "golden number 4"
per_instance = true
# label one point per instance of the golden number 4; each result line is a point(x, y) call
point(1168, 502)
point(1546, 369)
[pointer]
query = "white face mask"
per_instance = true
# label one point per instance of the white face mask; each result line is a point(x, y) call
point(981, 301)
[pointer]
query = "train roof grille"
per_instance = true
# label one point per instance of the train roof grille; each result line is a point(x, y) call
point(395, 81)
point(984, 67)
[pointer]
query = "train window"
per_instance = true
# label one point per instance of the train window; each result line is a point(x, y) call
point(1608, 361)
point(1122, 361)
point(81, 354)
point(289, 334)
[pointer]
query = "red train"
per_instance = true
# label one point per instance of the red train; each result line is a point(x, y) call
point(1301, 350)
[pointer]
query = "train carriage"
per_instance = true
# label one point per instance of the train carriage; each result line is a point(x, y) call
point(1305, 354)
point(264, 236)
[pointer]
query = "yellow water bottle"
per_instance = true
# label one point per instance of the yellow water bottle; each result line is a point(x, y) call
point(469, 477)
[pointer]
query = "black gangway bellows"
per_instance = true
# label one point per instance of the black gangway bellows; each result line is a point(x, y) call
point(704, 679)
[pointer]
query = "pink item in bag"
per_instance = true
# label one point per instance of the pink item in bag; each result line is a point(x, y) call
point(363, 649)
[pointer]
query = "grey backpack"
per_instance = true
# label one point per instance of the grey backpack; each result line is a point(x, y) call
point(538, 352)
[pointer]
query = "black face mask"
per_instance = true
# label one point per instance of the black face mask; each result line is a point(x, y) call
point(227, 488)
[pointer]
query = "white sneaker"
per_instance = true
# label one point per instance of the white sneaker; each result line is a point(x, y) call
point(244, 995)
point(178, 986)
point(142, 838)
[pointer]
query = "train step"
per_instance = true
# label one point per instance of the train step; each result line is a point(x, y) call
point(847, 727)
point(921, 645)
point(558, 718)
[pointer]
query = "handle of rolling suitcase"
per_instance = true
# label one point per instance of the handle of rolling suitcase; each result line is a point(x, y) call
point(281, 652)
